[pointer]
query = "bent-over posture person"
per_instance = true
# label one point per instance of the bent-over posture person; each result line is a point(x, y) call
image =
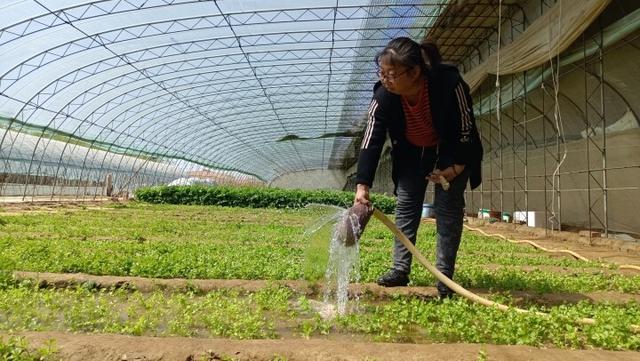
point(425, 108)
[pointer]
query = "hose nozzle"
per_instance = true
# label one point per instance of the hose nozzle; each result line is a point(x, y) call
point(353, 222)
point(444, 183)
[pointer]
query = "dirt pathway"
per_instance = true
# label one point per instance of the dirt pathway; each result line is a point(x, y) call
point(61, 280)
point(102, 347)
point(10, 207)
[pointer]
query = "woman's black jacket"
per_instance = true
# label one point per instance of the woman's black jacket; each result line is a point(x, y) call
point(452, 118)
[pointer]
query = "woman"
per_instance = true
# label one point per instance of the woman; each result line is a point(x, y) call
point(425, 108)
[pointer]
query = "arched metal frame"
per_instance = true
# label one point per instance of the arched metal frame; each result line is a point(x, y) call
point(183, 84)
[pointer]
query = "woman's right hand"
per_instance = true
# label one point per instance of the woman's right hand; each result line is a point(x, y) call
point(362, 195)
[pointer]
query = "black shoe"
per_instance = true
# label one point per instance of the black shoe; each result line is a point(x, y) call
point(393, 278)
point(445, 295)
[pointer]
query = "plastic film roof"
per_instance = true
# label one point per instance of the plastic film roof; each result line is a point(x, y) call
point(261, 87)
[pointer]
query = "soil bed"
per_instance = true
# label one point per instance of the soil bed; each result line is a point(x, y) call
point(63, 280)
point(76, 347)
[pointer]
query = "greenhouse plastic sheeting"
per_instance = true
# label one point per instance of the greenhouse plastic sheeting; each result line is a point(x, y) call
point(261, 88)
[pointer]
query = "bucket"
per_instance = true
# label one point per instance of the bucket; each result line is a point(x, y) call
point(427, 210)
point(484, 213)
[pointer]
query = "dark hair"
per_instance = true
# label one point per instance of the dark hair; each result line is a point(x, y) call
point(406, 52)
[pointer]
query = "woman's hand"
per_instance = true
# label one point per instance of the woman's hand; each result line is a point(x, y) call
point(362, 195)
point(448, 173)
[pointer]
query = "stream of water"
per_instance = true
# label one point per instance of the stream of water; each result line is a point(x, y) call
point(343, 265)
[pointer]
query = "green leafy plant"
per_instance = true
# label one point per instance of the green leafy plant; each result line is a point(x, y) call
point(192, 241)
point(17, 349)
point(174, 241)
point(254, 197)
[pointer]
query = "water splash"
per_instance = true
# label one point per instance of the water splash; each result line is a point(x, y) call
point(342, 265)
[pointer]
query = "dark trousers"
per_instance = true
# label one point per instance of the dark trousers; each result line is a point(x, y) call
point(449, 209)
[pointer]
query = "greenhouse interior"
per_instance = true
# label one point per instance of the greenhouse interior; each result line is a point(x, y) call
point(103, 103)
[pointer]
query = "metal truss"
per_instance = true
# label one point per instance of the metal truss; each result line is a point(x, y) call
point(594, 113)
point(527, 135)
point(146, 92)
point(192, 82)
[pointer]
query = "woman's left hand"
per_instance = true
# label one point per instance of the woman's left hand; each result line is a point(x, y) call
point(448, 173)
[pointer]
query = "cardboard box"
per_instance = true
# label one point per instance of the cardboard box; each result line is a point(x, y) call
point(531, 218)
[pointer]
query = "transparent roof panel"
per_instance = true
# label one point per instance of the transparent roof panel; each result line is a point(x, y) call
point(260, 87)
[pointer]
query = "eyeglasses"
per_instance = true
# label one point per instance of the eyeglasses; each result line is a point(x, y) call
point(390, 77)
